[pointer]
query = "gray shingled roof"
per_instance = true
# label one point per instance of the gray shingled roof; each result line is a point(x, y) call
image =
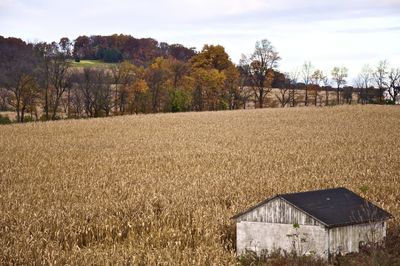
point(332, 207)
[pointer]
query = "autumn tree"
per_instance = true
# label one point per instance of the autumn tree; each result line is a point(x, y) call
point(180, 52)
point(123, 75)
point(232, 79)
point(136, 101)
point(208, 87)
point(137, 91)
point(211, 56)
point(260, 65)
point(214, 77)
point(158, 80)
point(180, 94)
point(178, 69)
point(339, 75)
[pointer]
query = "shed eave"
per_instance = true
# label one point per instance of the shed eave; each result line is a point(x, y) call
point(358, 223)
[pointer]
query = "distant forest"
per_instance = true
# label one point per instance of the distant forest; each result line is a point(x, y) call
point(43, 81)
point(115, 48)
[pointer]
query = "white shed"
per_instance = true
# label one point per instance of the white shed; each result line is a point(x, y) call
point(323, 222)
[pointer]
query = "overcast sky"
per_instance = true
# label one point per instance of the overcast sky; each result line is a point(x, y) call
point(327, 33)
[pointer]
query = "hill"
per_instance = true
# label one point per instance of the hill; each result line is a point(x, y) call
point(162, 188)
point(116, 47)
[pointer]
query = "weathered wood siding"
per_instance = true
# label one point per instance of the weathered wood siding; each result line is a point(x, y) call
point(347, 239)
point(261, 237)
point(278, 211)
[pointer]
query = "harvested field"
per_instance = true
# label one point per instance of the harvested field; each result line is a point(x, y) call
point(161, 188)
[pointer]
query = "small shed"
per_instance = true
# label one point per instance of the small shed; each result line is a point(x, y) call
point(322, 222)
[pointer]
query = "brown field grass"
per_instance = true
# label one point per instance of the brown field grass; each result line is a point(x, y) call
point(161, 188)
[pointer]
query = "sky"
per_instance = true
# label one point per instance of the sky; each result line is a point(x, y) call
point(348, 33)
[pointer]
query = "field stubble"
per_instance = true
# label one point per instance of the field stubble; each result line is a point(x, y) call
point(162, 188)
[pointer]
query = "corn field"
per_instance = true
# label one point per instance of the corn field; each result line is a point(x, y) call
point(160, 189)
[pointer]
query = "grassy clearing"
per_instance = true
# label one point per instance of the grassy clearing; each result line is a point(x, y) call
point(10, 115)
point(92, 63)
point(161, 188)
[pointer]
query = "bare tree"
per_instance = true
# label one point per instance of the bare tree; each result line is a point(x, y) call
point(76, 102)
point(363, 82)
point(5, 99)
point(231, 87)
point(293, 77)
point(260, 66)
point(17, 71)
point(44, 53)
point(94, 87)
point(244, 89)
point(366, 76)
point(306, 73)
point(394, 84)
point(54, 74)
point(317, 78)
point(25, 96)
point(282, 82)
point(339, 75)
point(327, 87)
point(284, 96)
point(104, 94)
point(59, 79)
point(380, 77)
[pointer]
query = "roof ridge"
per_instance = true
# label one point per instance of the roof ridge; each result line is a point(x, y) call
point(316, 190)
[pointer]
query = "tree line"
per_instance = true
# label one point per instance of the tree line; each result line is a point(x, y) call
point(38, 79)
